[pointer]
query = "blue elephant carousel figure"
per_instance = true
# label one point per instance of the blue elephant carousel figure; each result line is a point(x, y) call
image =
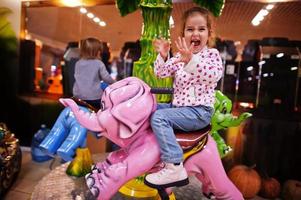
point(67, 140)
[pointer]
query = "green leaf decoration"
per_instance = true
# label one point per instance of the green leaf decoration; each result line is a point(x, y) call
point(214, 6)
point(4, 11)
point(81, 164)
point(8, 38)
point(127, 6)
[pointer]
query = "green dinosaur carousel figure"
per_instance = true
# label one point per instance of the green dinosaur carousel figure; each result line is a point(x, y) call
point(222, 119)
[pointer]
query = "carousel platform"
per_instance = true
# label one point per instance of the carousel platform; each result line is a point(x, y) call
point(58, 185)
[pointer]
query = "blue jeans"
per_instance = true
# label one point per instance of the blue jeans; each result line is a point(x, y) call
point(166, 118)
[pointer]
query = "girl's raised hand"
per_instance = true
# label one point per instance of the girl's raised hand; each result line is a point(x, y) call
point(162, 46)
point(184, 50)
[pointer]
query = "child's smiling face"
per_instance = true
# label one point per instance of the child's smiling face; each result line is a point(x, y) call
point(196, 32)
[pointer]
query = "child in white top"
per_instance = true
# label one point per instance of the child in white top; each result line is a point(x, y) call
point(196, 69)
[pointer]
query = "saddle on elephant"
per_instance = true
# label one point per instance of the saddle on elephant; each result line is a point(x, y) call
point(191, 142)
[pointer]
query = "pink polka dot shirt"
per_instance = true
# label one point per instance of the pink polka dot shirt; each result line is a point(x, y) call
point(194, 83)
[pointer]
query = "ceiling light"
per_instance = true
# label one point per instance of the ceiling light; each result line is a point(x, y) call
point(102, 23)
point(71, 3)
point(261, 62)
point(90, 15)
point(294, 68)
point(96, 19)
point(250, 68)
point(261, 14)
point(270, 7)
point(279, 55)
point(83, 10)
point(260, 18)
point(255, 23)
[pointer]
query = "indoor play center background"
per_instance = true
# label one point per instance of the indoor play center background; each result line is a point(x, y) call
point(262, 71)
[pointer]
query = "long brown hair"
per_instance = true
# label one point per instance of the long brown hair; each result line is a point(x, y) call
point(90, 48)
point(207, 15)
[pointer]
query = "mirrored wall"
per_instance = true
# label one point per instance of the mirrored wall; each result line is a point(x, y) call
point(259, 43)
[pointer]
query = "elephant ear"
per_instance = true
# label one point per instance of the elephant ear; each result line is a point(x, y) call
point(127, 6)
point(214, 6)
point(131, 104)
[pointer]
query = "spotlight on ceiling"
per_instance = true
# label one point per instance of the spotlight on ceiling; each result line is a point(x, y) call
point(71, 3)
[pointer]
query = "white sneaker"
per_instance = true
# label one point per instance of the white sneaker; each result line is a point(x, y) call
point(170, 176)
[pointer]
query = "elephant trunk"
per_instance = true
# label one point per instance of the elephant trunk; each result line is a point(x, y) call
point(86, 119)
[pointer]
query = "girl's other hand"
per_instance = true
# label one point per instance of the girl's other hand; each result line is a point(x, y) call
point(184, 50)
point(162, 47)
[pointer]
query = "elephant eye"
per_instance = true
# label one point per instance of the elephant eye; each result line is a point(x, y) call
point(102, 105)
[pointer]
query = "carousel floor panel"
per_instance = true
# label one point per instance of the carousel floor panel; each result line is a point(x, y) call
point(43, 181)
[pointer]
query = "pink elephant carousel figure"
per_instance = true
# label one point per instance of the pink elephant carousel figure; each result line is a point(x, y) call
point(124, 119)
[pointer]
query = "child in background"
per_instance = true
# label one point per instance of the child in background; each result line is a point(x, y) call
point(196, 69)
point(89, 72)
